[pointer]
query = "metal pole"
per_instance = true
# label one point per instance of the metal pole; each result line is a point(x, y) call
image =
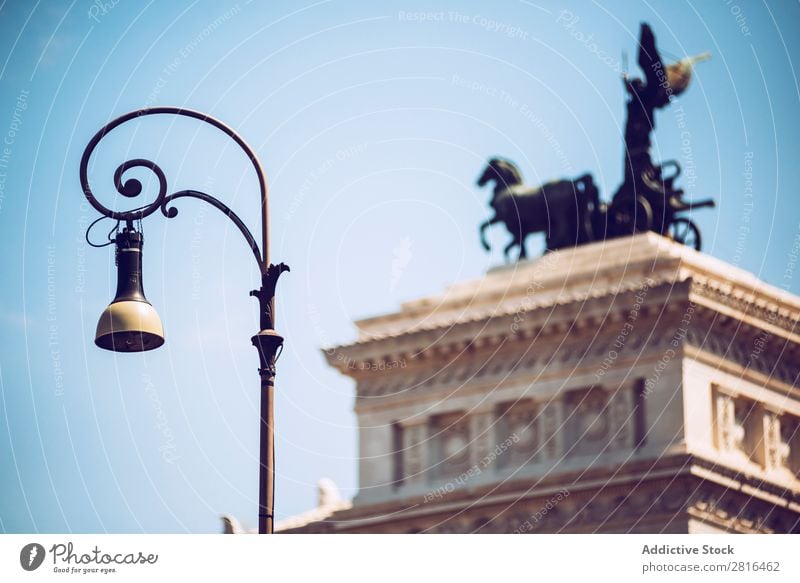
point(266, 478)
point(268, 342)
point(267, 456)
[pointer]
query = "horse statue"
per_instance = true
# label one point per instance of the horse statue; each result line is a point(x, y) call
point(562, 209)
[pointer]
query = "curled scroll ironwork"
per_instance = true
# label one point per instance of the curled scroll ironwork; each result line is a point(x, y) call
point(132, 187)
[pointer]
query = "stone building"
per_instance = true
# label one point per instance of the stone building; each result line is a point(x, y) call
point(634, 385)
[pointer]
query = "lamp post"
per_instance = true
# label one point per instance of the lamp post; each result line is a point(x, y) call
point(131, 324)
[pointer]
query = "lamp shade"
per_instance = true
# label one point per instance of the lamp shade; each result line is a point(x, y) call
point(129, 326)
point(130, 323)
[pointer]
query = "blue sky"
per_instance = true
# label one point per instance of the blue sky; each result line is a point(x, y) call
point(372, 121)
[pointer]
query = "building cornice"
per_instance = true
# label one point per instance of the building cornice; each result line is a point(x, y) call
point(670, 278)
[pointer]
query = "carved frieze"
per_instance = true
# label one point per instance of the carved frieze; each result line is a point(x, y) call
point(589, 425)
point(756, 433)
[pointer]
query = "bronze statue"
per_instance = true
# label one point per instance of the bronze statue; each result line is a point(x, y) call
point(570, 211)
point(525, 210)
point(660, 86)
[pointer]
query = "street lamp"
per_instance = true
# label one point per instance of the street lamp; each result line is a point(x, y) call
point(130, 323)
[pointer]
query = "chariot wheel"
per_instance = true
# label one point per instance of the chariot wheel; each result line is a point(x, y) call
point(684, 231)
point(632, 216)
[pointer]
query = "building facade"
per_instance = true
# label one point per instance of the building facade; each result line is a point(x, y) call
point(633, 385)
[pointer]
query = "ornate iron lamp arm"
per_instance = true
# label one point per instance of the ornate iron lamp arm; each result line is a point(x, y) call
point(172, 212)
point(132, 188)
point(268, 342)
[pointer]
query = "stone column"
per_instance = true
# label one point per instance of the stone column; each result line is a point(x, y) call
point(775, 450)
point(726, 433)
point(481, 433)
point(552, 428)
point(415, 451)
point(620, 407)
point(790, 435)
